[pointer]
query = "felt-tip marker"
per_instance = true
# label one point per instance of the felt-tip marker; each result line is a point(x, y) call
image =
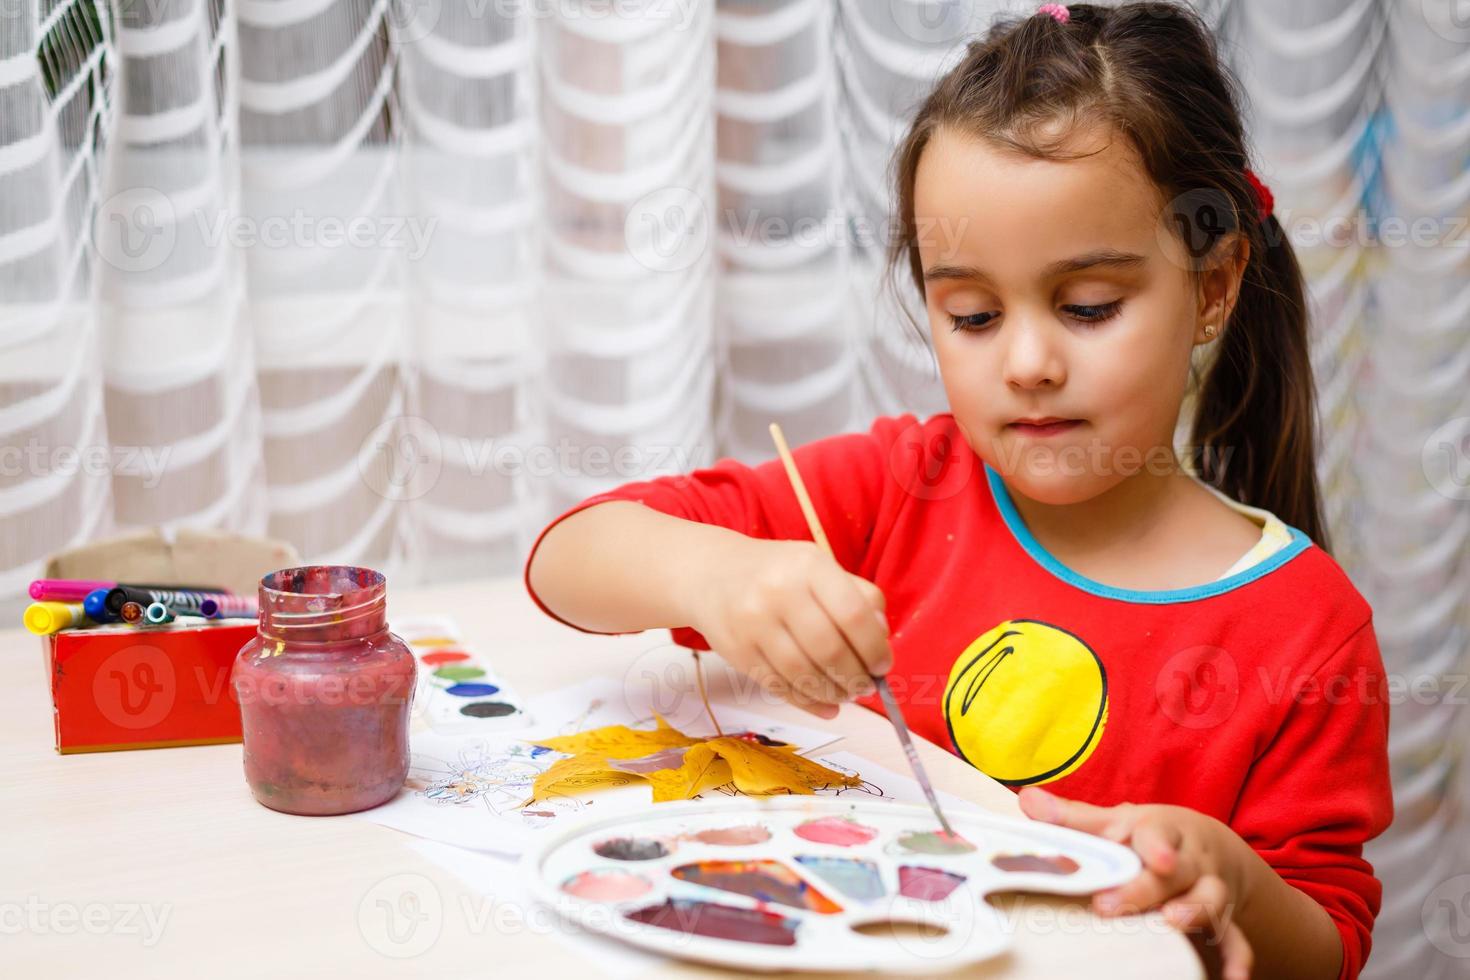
point(45, 618)
point(95, 606)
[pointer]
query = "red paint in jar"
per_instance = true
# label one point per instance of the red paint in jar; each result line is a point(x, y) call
point(325, 693)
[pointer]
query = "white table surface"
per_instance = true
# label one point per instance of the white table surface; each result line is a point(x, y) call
point(159, 863)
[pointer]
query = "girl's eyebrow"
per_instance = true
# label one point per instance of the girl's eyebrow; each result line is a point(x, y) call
point(1087, 260)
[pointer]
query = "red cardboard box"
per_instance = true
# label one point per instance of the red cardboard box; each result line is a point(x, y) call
point(145, 687)
point(125, 687)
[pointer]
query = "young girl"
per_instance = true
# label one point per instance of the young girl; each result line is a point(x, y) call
point(1055, 595)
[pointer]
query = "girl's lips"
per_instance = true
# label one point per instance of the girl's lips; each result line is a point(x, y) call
point(1043, 429)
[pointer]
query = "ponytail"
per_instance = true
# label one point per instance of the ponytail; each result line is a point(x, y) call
point(1254, 432)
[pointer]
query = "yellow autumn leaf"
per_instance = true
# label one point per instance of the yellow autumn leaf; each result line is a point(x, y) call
point(702, 770)
point(620, 741)
point(761, 770)
point(578, 773)
point(679, 767)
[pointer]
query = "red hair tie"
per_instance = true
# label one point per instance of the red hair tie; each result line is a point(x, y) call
point(1265, 200)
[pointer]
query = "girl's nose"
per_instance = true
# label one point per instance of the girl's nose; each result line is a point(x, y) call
point(1033, 357)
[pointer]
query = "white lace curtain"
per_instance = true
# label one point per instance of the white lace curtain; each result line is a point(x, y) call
point(396, 280)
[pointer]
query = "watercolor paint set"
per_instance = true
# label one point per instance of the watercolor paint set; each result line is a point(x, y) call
point(459, 693)
point(811, 884)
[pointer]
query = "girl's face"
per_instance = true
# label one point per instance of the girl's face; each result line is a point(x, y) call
point(1062, 315)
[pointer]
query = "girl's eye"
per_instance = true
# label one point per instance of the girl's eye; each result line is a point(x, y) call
point(973, 323)
point(1097, 313)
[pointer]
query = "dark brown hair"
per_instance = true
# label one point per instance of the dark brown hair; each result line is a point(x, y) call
point(1152, 72)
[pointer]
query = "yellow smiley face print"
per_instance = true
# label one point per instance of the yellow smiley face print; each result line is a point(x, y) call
point(1026, 702)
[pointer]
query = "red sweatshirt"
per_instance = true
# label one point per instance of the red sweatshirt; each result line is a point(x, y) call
point(1259, 699)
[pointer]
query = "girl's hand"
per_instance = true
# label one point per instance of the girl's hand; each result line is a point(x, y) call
point(1194, 867)
point(794, 620)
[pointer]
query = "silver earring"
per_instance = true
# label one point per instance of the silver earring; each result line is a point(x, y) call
point(1209, 331)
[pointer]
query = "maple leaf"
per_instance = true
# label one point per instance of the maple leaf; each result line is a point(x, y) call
point(620, 741)
point(679, 767)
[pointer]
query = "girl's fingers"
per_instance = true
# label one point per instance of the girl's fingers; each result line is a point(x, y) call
point(858, 618)
point(1206, 909)
point(1158, 843)
point(1153, 886)
point(1144, 892)
point(869, 591)
point(1116, 821)
point(1205, 905)
point(760, 670)
point(827, 649)
point(1236, 951)
point(872, 641)
point(805, 681)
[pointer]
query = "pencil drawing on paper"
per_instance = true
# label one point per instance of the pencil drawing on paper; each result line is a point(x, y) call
point(495, 777)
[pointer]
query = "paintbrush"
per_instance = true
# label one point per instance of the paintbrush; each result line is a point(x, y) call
point(885, 694)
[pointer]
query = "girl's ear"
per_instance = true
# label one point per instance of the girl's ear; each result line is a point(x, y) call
point(1219, 287)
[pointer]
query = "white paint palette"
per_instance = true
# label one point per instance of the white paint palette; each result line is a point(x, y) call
point(802, 883)
point(459, 692)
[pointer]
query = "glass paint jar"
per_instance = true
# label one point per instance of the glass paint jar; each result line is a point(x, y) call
point(325, 693)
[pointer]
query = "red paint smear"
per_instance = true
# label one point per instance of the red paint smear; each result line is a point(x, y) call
point(835, 830)
point(733, 836)
point(443, 657)
point(718, 921)
point(927, 884)
point(607, 886)
point(1055, 865)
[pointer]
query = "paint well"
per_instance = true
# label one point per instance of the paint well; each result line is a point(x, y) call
point(927, 884)
point(439, 657)
point(838, 831)
point(459, 672)
point(433, 641)
point(733, 836)
point(472, 690)
point(1053, 864)
point(718, 921)
point(934, 842)
point(901, 930)
point(607, 886)
point(764, 881)
point(631, 848)
point(853, 877)
point(488, 709)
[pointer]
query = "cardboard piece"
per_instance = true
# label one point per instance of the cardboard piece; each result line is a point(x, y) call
point(189, 557)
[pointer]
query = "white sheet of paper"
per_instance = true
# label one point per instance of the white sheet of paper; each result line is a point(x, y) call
point(504, 903)
point(885, 784)
point(467, 790)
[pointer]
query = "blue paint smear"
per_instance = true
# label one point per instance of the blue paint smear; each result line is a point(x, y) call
point(854, 877)
point(472, 690)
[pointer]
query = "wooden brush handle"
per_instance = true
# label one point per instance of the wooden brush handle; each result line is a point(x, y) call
point(812, 523)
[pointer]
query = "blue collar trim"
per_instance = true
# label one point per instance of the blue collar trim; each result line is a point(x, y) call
point(1299, 543)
